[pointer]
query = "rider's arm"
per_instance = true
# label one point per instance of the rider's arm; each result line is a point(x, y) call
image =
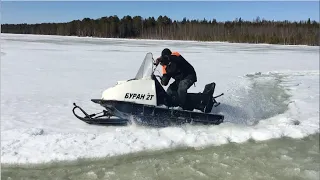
point(170, 69)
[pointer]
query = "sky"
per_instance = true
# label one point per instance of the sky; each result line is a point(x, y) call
point(15, 12)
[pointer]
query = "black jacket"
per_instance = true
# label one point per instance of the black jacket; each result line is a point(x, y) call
point(178, 69)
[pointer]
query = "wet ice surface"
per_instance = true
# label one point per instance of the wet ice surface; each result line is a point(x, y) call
point(283, 159)
point(270, 92)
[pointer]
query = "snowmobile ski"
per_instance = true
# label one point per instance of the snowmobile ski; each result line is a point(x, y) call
point(104, 119)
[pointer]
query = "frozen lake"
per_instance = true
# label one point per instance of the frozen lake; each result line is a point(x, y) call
point(271, 91)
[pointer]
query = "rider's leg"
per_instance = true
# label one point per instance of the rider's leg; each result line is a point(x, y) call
point(183, 87)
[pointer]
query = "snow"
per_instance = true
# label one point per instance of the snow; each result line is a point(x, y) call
point(270, 91)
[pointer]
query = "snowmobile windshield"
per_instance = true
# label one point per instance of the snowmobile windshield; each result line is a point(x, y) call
point(146, 68)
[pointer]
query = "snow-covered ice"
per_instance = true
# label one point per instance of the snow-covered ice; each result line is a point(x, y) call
point(270, 91)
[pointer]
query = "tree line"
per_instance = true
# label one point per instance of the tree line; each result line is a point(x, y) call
point(238, 30)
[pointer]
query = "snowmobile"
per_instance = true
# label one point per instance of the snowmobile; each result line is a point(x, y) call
point(144, 101)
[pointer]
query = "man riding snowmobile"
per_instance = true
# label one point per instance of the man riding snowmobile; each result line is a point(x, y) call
point(143, 96)
point(176, 67)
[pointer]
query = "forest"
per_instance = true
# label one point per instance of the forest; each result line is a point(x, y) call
point(238, 30)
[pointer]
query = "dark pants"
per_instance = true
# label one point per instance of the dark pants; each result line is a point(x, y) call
point(178, 90)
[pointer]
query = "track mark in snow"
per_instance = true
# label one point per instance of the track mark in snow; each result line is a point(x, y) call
point(258, 97)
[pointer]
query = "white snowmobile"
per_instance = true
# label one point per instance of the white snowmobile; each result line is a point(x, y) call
point(144, 99)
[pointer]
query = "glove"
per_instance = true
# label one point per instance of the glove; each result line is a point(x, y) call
point(164, 60)
point(157, 61)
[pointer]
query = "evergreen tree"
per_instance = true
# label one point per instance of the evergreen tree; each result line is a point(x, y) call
point(256, 31)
